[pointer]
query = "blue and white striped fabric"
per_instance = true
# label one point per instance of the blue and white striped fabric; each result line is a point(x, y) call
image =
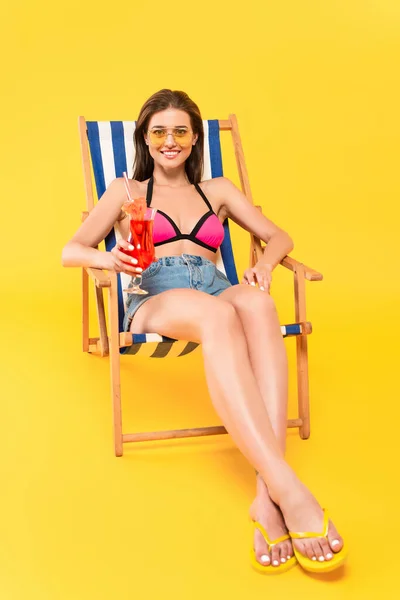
point(112, 152)
point(157, 346)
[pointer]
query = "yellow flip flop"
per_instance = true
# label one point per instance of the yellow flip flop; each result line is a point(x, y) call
point(316, 566)
point(269, 569)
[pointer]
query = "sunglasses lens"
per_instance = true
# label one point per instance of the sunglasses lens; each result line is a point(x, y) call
point(158, 137)
point(183, 137)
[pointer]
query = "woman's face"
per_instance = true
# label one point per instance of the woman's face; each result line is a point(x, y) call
point(170, 137)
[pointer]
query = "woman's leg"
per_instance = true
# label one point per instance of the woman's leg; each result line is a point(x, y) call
point(195, 316)
point(266, 349)
point(269, 363)
point(192, 315)
point(268, 359)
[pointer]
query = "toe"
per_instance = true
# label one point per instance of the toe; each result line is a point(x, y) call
point(261, 549)
point(305, 547)
point(309, 550)
point(264, 559)
point(288, 551)
point(326, 549)
point(318, 552)
point(275, 556)
point(282, 553)
point(335, 540)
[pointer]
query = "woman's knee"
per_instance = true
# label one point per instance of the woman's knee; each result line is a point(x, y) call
point(222, 319)
point(247, 299)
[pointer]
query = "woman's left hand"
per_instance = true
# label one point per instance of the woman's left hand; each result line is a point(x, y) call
point(261, 274)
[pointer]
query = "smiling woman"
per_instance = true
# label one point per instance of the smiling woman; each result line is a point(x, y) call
point(155, 133)
point(190, 299)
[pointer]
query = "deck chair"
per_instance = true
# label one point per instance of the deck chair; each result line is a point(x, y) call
point(108, 147)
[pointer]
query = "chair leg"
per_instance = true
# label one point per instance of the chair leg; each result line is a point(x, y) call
point(115, 373)
point(102, 321)
point(302, 353)
point(302, 386)
point(116, 399)
point(85, 311)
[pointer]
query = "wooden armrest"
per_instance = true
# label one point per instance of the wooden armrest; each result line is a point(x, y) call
point(310, 274)
point(101, 278)
point(289, 262)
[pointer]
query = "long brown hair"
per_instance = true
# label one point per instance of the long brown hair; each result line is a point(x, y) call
point(143, 165)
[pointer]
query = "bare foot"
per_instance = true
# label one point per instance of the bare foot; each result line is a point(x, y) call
point(266, 512)
point(303, 513)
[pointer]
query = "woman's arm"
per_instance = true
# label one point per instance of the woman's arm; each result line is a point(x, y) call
point(81, 250)
point(239, 209)
point(235, 205)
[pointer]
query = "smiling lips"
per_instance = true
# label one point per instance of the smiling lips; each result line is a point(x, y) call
point(170, 154)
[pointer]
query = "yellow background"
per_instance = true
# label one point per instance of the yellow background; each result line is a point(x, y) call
point(316, 90)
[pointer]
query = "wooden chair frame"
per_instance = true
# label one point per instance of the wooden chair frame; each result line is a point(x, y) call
point(110, 344)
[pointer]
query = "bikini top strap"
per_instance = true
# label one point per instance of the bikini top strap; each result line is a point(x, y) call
point(202, 194)
point(149, 193)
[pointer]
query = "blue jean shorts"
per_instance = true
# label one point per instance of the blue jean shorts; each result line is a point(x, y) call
point(185, 271)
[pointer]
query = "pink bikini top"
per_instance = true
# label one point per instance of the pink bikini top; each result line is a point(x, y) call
point(208, 232)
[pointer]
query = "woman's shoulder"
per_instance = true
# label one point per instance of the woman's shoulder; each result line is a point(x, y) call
point(217, 191)
point(216, 185)
point(119, 182)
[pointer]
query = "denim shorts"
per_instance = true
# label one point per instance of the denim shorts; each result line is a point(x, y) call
point(185, 271)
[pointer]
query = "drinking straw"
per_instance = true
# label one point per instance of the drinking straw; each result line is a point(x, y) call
point(126, 182)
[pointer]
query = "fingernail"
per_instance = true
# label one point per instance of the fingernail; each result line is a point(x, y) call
point(138, 246)
point(261, 288)
point(264, 558)
point(335, 543)
point(139, 269)
point(288, 557)
point(134, 261)
point(321, 559)
point(314, 558)
point(130, 247)
point(275, 563)
point(329, 555)
point(283, 560)
point(252, 283)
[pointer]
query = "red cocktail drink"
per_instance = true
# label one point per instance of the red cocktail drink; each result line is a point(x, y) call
point(141, 220)
point(141, 238)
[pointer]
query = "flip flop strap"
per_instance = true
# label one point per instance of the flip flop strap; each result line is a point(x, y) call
point(313, 534)
point(283, 538)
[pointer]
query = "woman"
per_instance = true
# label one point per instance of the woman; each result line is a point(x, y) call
point(237, 326)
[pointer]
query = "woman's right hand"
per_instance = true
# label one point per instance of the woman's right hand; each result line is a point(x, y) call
point(121, 262)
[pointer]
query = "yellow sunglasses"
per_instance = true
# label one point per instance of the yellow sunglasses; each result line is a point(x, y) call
point(158, 136)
